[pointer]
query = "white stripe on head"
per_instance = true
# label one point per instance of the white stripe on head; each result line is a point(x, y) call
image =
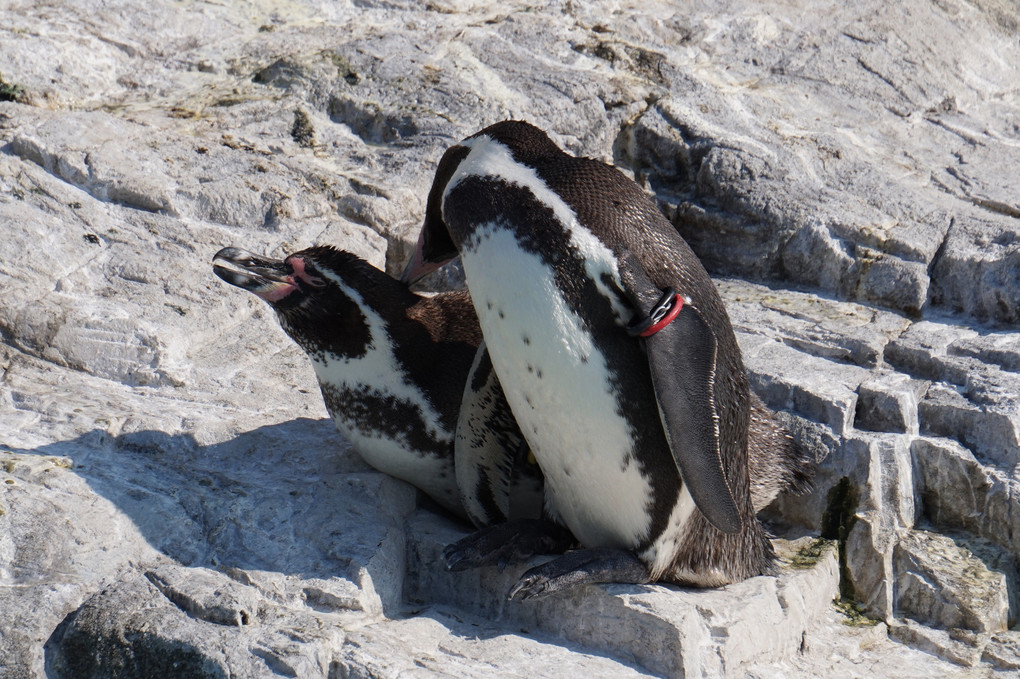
point(489, 158)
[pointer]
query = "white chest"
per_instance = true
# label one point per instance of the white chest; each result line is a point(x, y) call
point(383, 446)
point(558, 386)
point(379, 409)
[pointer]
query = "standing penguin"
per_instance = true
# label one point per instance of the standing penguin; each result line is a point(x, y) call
point(618, 361)
point(394, 369)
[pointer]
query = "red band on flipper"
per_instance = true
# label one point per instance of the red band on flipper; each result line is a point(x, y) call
point(678, 304)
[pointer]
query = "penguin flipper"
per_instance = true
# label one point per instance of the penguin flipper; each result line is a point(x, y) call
point(495, 479)
point(682, 359)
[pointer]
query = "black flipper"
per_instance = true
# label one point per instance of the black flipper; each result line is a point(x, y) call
point(580, 567)
point(507, 543)
point(682, 356)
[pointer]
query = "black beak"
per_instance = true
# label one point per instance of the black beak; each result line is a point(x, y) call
point(270, 279)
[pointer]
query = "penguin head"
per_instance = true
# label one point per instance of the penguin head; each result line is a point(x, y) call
point(435, 247)
point(311, 292)
point(528, 145)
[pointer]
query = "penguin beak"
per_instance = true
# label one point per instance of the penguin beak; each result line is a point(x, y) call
point(418, 267)
point(270, 279)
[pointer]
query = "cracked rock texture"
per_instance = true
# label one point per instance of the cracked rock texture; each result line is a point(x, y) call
point(173, 500)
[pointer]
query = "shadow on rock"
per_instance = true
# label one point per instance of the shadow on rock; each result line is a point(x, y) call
point(78, 649)
point(205, 557)
point(291, 497)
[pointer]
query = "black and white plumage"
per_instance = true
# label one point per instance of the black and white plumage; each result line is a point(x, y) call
point(394, 368)
point(561, 255)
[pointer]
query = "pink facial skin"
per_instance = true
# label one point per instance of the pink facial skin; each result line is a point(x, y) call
point(278, 290)
point(298, 265)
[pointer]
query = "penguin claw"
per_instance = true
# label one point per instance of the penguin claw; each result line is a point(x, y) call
point(530, 587)
point(468, 553)
point(459, 558)
point(451, 557)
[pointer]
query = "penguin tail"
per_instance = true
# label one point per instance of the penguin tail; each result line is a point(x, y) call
point(777, 462)
point(798, 467)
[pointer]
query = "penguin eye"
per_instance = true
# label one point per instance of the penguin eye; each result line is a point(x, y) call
point(314, 281)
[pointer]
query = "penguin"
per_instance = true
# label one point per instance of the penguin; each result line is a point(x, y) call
point(394, 369)
point(620, 365)
point(777, 464)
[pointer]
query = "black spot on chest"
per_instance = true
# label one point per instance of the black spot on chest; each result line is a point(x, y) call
point(375, 413)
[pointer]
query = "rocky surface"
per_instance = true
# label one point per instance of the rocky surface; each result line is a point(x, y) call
point(174, 502)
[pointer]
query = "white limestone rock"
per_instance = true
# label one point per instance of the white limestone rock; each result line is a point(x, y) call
point(956, 646)
point(958, 491)
point(944, 585)
point(837, 331)
point(868, 565)
point(668, 630)
point(858, 648)
point(992, 430)
point(888, 402)
point(1003, 651)
point(866, 490)
point(440, 641)
point(136, 628)
point(815, 198)
point(994, 348)
point(154, 421)
point(786, 379)
point(922, 349)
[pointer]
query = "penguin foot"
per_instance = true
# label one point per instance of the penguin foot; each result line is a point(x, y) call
point(580, 567)
point(507, 543)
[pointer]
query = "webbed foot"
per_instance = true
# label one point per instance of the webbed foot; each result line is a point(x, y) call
point(507, 543)
point(580, 567)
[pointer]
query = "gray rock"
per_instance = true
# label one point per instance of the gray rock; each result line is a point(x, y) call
point(987, 267)
point(997, 559)
point(440, 642)
point(778, 185)
point(956, 646)
point(86, 151)
point(931, 574)
point(670, 631)
point(995, 348)
point(868, 570)
point(207, 595)
point(133, 629)
point(861, 649)
point(888, 402)
point(991, 430)
point(922, 348)
point(1003, 651)
point(165, 460)
point(974, 399)
point(134, 505)
point(957, 491)
point(786, 379)
point(837, 331)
